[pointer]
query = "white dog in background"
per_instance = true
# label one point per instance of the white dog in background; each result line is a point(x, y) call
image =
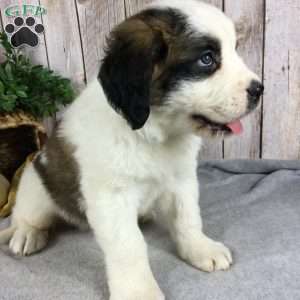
point(127, 147)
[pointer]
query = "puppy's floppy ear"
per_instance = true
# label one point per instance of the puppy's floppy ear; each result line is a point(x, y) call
point(133, 50)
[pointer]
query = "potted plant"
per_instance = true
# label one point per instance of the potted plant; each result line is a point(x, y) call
point(28, 94)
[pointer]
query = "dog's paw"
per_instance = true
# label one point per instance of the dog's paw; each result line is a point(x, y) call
point(209, 256)
point(27, 240)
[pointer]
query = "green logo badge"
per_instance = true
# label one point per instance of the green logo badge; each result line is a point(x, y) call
point(25, 10)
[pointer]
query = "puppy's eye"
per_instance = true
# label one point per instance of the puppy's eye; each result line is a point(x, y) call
point(207, 59)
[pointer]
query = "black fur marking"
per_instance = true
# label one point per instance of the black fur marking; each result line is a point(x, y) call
point(127, 70)
point(188, 68)
point(61, 176)
point(148, 56)
point(214, 127)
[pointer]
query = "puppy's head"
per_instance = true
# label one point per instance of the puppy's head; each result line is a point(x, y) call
point(179, 57)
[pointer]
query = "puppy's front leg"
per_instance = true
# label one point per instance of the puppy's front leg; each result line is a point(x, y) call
point(181, 210)
point(115, 225)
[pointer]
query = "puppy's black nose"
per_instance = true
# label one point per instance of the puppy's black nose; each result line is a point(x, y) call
point(255, 90)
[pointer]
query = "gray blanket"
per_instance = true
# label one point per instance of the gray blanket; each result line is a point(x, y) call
point(253, 207)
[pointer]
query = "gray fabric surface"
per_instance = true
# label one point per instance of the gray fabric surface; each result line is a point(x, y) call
point(254, 207)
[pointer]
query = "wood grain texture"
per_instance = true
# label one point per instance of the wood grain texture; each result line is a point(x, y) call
point(96, 19)
point(281, 115)
point(213, 148)
point(63, 40)
point(249, 17)
point(133, 6)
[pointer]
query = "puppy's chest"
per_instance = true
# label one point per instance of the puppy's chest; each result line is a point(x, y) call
point(156, 163)
point(137, 161)
point(150, 192)
point(145, 170)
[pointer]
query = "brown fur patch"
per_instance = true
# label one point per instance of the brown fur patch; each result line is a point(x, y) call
point(60, 174)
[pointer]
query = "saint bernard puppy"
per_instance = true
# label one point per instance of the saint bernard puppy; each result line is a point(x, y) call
point(127, 147)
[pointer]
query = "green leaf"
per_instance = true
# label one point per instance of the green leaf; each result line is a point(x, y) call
point(32, 88)
point(8, 71)
point(21, 94)
point(2, 88)
point(2, 74)
point(8, 103)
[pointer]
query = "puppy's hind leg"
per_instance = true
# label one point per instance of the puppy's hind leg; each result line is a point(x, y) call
point(32, 217)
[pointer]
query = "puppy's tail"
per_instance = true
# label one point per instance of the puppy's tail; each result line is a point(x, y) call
point(6, 235)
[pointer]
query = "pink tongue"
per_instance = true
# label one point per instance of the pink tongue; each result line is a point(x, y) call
point(236, 127)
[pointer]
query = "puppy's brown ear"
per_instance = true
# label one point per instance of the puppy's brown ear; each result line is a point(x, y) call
point(126, 73)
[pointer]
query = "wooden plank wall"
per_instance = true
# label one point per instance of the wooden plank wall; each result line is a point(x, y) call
point(281, 122)
point(73, 45)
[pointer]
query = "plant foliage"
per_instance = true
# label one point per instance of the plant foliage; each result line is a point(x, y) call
point(33, 89)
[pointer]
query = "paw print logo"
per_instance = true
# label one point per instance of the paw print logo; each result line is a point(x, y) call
point(24, 32)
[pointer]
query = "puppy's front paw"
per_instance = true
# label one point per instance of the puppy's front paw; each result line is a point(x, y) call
point(208, 255)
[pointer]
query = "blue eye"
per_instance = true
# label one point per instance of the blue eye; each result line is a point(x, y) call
point(207, 59)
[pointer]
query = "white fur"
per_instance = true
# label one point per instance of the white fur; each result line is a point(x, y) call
point(126, 173)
